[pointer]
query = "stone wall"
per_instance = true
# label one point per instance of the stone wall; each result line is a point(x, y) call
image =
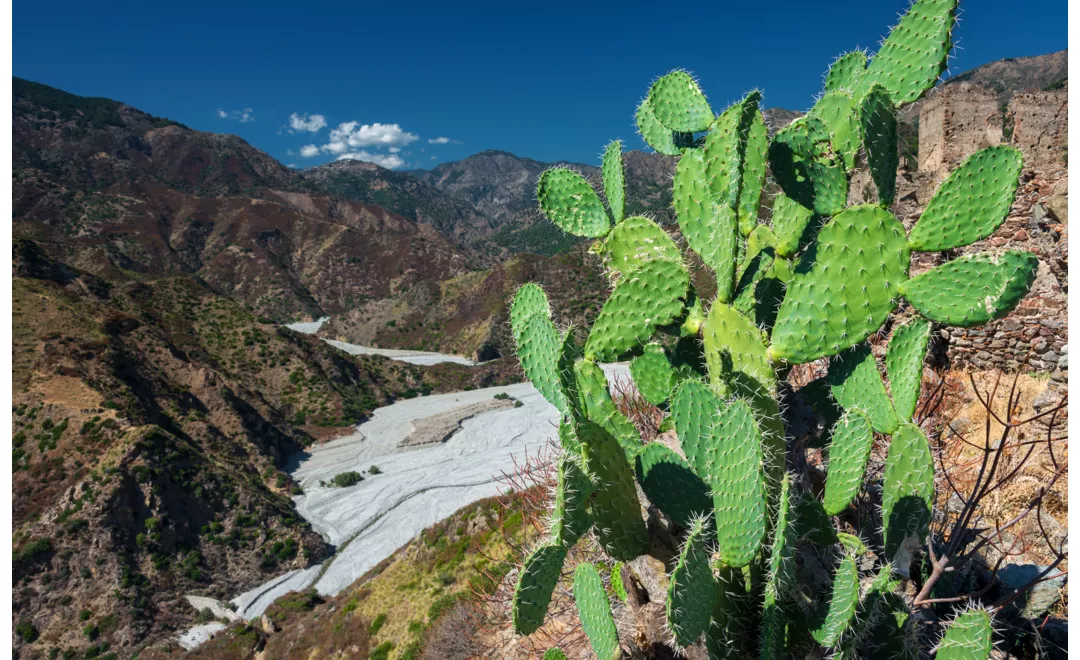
point(954, 123)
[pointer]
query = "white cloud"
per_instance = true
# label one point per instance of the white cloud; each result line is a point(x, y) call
point(439, 140)
point(242, 116)
point(309, 151)
point(394, 150)
point(312, 124)
point(352, 135)
point(434, 157)
point(389, 161)
point(288, 152)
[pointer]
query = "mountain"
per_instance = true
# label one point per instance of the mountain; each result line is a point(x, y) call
point(126, 196)
point(401, 193)
point(1013, 75)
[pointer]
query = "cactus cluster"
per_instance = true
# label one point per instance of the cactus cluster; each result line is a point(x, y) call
point(812, 280)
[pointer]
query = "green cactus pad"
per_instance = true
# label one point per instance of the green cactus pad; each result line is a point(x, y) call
point(831, 624)
point(971, 203)
point(569, 516)
point(709, 227)
point(694, 407)
point(790, 222)
point(692, 588)
point(916, 52)
point(568, 441)
point(614, 506)
point(617, 586)
point(857, 385)
point(761, 288)
point(781, 576)
point(844, 287)
point(594, 610)
point(594, 400)
point(877, 119)
point(637, 242)
point(846, 72)
point(611, 171)
point(653, 374)
point(969, 637)
point(670, 484)
point(807, 168)
point(538, 343)
point(735, 153)
point(836, 111)
point(554, 654)
point(904, 364)
point(642, 301)
point(569, 353)
point(735, 353)
point(850, 447)
point(872, 611)
point(568, 200)
point(730, 626)
point(852, 543)
point(535, 584)
point(811, 521)
point(677, 102)
point(735, 475)
point(973, 289)
point(655, 134)
point(907, 492)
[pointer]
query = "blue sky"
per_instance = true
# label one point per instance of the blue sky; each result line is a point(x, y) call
point(413, 84)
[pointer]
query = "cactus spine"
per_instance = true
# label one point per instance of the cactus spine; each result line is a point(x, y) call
point(814, 281)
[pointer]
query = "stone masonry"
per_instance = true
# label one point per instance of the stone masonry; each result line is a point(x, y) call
point(954, 123)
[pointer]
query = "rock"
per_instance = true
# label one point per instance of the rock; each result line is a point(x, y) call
point(1010, 325)
point(268, 625)
point(1036, 602)
point(1051, 357)
point(1048, 399)
point(1040, 345)
point(1020, 235)
point(1063, 361)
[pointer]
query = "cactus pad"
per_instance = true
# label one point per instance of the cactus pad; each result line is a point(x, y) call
point(846, 72)
point(611, 171)
point(807, 168)
point(670, 484)
point(594, 401)
point(761, 287)
point(781, 575)
point(831, 624)
point(735, 476)
point(971, 203)
point(594, 610)
point(973, 289)
point(692, 588)
point(637, 242)
point(735, 153)
point(916, 52)
point(538, 343)
point(857, 385)
point(904, 364)
point(709, 227)
point(790, 221)
point(735, 353)
point(569, 516)
point(877, 120)
point(844, 287)
point(554, 654)
point(568, 200)
point(535, 584)
point(614, 506)
point(694, 408)
point(907, 492)
point(850, 447)
point(969, 637)
point(653, 374)
point(836, 111)
point(677, 102)
point(655, 134)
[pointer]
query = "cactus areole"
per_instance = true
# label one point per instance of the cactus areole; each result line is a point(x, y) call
point(807, 279)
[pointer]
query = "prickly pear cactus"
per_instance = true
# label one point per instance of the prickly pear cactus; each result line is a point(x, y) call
point(800, 277)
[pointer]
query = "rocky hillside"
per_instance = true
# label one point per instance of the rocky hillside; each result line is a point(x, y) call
point(1013, 75)
point(151, 419)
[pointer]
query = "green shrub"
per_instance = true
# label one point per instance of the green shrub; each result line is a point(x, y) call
point(346, 479)
point(377, 624)
point(26, 631)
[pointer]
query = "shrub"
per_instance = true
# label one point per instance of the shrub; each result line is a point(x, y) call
point(377, 624)
point(374, 469)
point(346, 479)
point(26, 631)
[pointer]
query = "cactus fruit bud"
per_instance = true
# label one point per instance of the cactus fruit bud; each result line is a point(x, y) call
point(973, 289)
point(594, 610)
point(972, 202)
